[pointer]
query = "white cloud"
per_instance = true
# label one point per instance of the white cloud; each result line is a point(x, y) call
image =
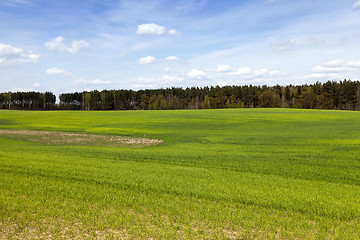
point(144, 86)
point(147, 60)
point(57, 44)
point(261, 72)
point(304, 42)
point(276, 73)
point(171, 58)
point(335, 63)
point(337, 66)
point(334, 70)
point(323, 69)
point(197, 74)
point(241, 71)
point(171, 79)
point(144, 83)
point(144, 80)
point(151, 59)
point(222, 84)
point(58, 72)
point(356, 5)
point(87, 89)
point(246, 75)
point(36, 84)
point(10, 55)
point(317, 76)
point(167, 70)
point(293, 43)
point(77, 45)
point(150, 29)
point(91, 82)
point(173, 32)
point(22, 90)
point(99, 81)
point(150, 83)
point(354, 64)
point(223, 68)
point(155, 29)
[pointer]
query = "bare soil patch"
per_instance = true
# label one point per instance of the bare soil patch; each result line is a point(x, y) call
point(67, 138)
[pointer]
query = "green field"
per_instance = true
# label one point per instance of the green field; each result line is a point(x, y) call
point(218, 174)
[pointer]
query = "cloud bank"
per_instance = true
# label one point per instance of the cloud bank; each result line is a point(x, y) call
point(57, 44)
point(151, 59)
point(10, 55)
point(57, 72)
point(197, 74)
point(333, 70)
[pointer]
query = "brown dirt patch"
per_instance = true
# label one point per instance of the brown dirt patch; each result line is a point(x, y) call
point(67, 138)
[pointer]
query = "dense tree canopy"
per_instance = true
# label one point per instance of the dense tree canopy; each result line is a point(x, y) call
point(27, 100)
point(343, 95)
point(330, 95)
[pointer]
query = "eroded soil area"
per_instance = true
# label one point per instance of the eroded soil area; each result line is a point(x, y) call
point(67, 138)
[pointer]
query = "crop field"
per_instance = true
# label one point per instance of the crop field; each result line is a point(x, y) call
point(190, 174)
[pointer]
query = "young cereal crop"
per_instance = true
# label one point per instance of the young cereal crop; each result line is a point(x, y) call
point(204, 174)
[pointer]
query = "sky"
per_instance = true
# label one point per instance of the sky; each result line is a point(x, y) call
point(72, 45)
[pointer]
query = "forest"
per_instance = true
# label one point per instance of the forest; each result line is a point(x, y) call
point(343, 95)
point(28, 101)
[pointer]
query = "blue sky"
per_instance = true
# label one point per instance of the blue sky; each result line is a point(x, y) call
point(66, 46)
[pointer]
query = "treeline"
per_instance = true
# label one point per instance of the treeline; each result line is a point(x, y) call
point(344, 95)
point(330, 95)
point(28, 101)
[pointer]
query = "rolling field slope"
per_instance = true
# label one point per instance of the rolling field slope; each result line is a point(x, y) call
point(191, 174)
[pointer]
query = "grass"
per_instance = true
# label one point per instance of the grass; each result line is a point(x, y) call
point(219, 174)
